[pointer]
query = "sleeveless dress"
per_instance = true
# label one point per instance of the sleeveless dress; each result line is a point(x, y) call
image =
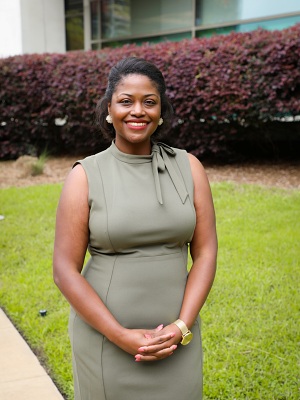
point(142, 218)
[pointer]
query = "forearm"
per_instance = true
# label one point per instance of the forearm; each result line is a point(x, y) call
point(203, 247)
point(198, 286)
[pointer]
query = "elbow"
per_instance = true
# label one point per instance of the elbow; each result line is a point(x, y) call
point(64, 274)
point(59, 269)
point(57, 275)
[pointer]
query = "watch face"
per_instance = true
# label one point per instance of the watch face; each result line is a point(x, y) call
point(187, 338)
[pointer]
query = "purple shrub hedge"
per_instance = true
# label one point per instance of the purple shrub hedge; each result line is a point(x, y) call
point(227, 91)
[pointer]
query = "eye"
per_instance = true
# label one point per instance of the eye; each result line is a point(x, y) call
point(150, 102)
point(125, 101)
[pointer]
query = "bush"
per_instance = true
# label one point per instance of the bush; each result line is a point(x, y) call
point(225, 90)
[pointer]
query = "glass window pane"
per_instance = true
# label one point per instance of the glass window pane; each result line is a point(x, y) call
point(115, 18)
point(160, 16)
point(210, 12)
point(73, 7)
point(176, 37)
point(95, 20)
point(280, 23)
point(259, 8)
point(156, 39)
point(74, 33)
point(216, 31)
point(135, 17)
point(96, 46)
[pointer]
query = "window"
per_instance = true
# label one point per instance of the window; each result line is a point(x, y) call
point(74, 24)
point(277, 23)
point(140, 18)
point(95, 20)
point(151, 39)
point(267, 8)
point(213, 12)
point(158, 16)
point(115, 18)
point(94, 24)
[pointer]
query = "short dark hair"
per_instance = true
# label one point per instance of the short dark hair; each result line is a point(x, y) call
point(129, 66)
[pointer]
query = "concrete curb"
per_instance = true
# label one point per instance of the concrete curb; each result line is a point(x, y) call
point(21, 375)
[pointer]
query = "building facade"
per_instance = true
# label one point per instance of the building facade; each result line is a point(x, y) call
point(37, 26)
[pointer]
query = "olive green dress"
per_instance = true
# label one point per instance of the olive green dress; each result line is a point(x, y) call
point(142, 218)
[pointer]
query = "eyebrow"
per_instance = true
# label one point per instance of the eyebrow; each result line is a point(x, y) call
point(130, 95)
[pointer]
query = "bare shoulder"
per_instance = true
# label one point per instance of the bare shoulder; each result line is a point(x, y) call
point(75, 189)
point(76, 175)
point(194, 161)
point(197, 169)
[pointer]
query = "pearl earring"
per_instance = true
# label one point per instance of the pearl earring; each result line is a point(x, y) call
point(161, 121)
point(109, 119)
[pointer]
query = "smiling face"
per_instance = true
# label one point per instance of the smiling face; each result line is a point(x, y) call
point(135, 109)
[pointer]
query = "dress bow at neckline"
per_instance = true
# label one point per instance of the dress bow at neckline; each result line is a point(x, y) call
point(161, 154)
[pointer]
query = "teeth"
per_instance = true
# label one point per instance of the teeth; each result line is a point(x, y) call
point(137, 123)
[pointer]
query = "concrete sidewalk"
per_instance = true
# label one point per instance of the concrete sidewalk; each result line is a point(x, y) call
point(21, 375)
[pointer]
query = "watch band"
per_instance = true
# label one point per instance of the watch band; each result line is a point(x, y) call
point(182, 326)
point(186, 334)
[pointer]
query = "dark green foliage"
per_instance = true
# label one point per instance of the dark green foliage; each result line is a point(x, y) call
point(226, 91)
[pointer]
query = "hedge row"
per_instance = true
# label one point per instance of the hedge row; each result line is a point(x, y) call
point(223, 88)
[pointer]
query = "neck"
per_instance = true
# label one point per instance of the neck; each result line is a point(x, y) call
point(140, 149)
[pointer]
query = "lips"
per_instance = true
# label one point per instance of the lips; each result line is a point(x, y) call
point(137, 124)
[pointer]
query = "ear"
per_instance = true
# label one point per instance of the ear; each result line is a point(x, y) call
point(108, 108)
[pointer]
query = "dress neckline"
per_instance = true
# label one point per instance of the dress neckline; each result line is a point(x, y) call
point(130, 158)
point(160, 159)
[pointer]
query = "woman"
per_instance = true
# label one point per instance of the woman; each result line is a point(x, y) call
point(134, 324)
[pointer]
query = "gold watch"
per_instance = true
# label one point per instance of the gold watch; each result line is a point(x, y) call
point(187, 335)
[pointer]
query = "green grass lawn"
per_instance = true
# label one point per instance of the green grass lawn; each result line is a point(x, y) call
point(250, 323)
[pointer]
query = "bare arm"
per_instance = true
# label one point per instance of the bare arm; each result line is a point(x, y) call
point(71, 240)
point(203, 247)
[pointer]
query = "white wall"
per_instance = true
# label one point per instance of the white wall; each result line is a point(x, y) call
point(32, 26)
point(10, 28)
point(43, 26)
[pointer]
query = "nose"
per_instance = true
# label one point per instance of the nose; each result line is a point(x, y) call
point(137, 109)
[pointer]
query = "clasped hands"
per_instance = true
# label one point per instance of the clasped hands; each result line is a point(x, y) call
point(151, 345)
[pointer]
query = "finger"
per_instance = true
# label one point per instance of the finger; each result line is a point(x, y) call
point(147, 350)
point(159, 328)
point(161, 339)
point(150, 336)
point(150, 358)
point(140, 358)
point(156, 356)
